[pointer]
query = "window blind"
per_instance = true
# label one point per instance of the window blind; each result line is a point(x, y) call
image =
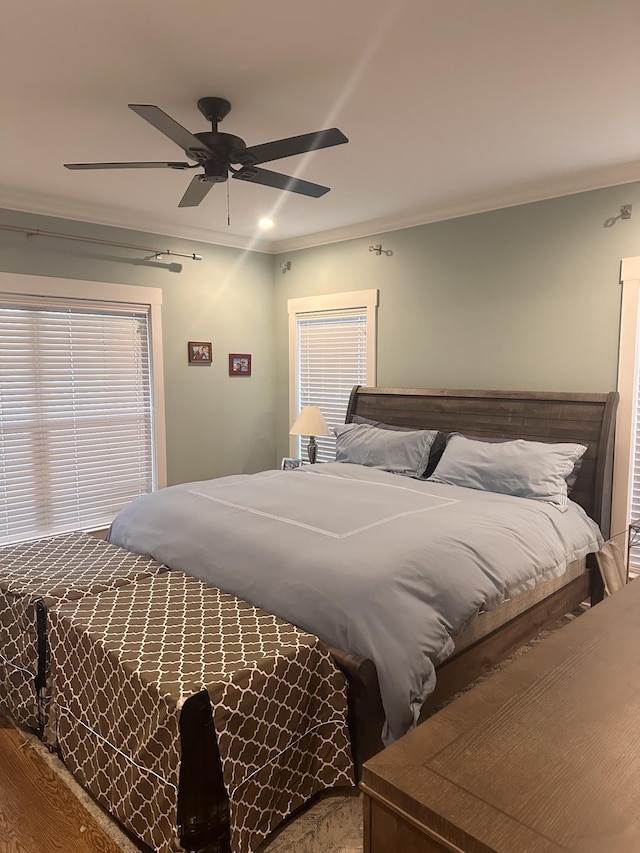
point(76, 424)
point(332, 358)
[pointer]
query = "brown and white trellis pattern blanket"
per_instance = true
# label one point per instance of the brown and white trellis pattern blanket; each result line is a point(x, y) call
point(126, 663)
point(35, 576)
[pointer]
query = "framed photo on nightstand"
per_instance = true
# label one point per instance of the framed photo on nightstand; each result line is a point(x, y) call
point(288, 464)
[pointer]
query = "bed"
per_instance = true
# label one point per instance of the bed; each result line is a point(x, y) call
point(501, 615)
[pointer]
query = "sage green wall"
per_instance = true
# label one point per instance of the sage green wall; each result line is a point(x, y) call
point(526, 297)
point(523, 298)
point(216, 424)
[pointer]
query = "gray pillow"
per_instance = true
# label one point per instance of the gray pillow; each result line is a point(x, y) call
point(571, 477)
point(437, 448)
point(526, 469)
point(397, 451)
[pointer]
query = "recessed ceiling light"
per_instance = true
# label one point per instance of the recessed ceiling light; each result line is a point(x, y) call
point(265, 222)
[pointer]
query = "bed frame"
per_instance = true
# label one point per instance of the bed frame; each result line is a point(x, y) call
point(203, 818)
point(586, 418)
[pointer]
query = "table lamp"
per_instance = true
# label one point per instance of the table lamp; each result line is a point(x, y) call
point(310, 422)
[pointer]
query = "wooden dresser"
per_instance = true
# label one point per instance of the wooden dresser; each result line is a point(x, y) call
point(542, 757)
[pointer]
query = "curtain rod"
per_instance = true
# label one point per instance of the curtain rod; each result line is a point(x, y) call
point(157, 253)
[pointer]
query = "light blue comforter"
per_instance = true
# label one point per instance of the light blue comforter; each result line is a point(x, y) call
point(374, 563)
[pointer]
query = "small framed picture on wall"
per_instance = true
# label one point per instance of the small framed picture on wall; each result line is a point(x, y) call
point(239, 364)
point(200, 352)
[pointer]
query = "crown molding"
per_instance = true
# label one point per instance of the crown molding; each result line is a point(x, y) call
point(483, 203)
point(512, 196)
point(115, 218)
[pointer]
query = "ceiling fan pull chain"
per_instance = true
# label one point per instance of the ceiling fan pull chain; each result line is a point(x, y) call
point(228, 211)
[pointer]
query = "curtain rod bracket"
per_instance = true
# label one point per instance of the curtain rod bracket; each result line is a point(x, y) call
point(380, 251)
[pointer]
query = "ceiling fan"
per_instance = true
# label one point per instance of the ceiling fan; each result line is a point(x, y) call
point(222, 153)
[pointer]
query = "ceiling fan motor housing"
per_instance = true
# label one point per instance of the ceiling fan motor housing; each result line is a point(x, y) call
point(219, 150)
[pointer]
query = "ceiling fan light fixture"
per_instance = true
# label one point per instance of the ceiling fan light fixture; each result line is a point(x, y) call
point(215, 171)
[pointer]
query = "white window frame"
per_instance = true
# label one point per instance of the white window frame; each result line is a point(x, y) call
point(149, 298)
point(627, 388)
point(367, 299)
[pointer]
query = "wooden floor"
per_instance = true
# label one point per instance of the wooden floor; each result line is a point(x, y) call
point(38, 814)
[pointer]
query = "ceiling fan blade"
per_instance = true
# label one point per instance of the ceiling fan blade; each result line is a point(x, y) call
point(169, 127)
point(280, 182)
point(129, 165)
point(296, 145)
point(195, 192)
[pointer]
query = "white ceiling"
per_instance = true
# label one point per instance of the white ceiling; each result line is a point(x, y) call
point(450, 106)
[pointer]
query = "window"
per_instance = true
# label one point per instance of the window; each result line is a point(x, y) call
point(332, 347)
point(78, 430)
point(626, 483)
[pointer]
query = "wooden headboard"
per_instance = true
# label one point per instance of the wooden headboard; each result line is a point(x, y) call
point(534, 415)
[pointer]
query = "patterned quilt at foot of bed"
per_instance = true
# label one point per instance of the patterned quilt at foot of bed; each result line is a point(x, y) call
point(127, 667)
point(34, 576)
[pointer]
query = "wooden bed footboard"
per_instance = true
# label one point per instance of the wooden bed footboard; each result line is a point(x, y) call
point(365, 715)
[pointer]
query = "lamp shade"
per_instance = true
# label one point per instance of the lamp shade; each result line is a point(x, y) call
point(310, 422)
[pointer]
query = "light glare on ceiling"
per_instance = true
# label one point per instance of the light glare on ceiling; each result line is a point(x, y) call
point(266, 223)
